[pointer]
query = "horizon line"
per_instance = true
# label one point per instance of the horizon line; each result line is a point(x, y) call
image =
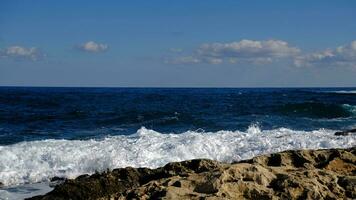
point(177, 87)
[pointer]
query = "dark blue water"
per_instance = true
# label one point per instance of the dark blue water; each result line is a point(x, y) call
point(80, 113)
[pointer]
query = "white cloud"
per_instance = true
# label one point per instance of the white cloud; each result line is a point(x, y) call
point(19, 52)
point(250, 51)
point(340, 56)
point(93, 47)
point(184, 60)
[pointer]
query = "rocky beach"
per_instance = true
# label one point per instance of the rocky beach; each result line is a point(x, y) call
point(294, 174)
point(176, 100)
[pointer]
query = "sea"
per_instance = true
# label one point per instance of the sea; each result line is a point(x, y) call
point(65, 132)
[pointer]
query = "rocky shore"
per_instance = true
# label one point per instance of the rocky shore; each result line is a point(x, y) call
point(300, 174)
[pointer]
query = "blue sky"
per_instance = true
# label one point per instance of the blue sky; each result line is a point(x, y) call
point(178, 44)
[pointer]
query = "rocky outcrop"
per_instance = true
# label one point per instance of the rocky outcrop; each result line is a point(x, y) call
point(345, 133)
point(303, 174)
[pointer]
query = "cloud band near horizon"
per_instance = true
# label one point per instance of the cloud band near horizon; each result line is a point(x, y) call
point(245, 51)
point(267, 51)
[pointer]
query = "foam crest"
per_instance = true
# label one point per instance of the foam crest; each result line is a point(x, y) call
point(344, 91)
point(36, 161)
point(350, 108)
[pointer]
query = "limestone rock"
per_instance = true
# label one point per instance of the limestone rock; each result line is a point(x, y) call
point(301, 174)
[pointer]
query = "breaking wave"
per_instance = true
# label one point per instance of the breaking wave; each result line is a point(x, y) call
point(350, 108)
point(37, 161)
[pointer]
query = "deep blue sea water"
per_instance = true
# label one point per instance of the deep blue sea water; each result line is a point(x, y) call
point(81, 113)
point(47, 132)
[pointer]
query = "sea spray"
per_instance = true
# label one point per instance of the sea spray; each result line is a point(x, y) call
point(36, 161)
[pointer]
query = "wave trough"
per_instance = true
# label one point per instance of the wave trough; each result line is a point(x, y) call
point(37, 161)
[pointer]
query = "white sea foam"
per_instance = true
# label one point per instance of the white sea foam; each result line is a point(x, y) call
point(344, 91)
point(36, 161)
point(350, 108)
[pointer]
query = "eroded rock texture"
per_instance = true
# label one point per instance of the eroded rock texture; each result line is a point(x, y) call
point(304, 174)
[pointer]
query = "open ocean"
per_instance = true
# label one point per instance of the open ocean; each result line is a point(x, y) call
point(65, 132)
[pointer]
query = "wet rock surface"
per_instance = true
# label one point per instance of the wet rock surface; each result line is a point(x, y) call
point(345, 133)
point(303, 174)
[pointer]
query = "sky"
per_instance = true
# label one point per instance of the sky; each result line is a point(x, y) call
point(185, 43)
